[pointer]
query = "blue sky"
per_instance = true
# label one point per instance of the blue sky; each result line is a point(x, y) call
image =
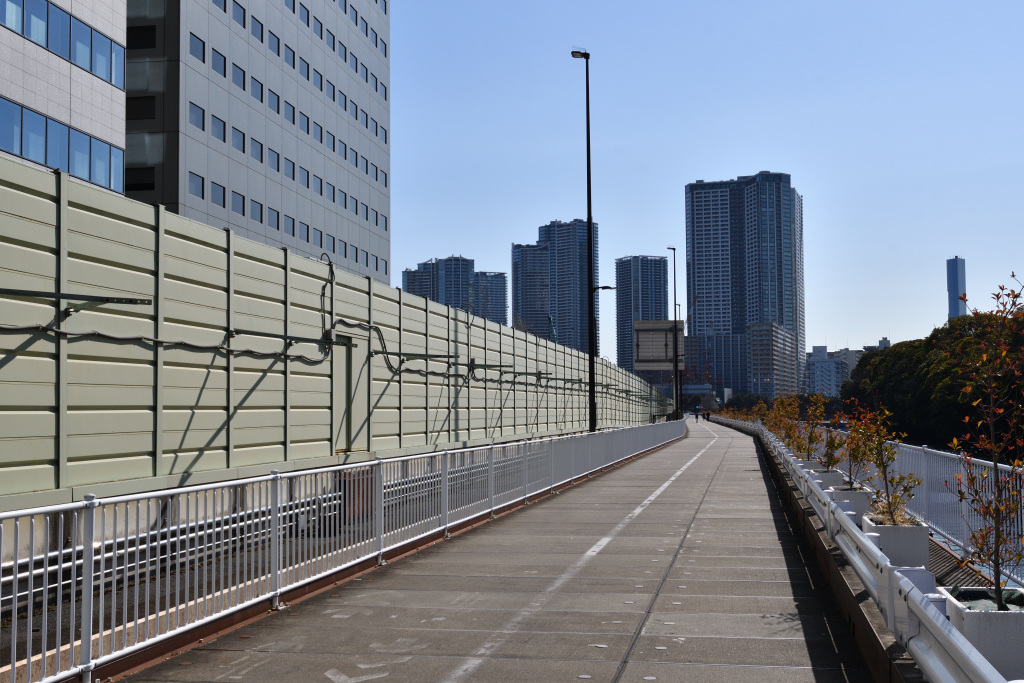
point(902, 125)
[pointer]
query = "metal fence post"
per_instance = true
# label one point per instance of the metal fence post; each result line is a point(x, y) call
point(551, 465)
point(526, 471)
point(88, 585)
point(275, 540)
point(490, 479)
point(379, 514)
point(444, 494)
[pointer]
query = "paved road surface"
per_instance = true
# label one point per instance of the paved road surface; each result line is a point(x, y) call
point(677, 567)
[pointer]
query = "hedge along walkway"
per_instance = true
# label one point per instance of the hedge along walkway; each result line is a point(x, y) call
point(678, 566)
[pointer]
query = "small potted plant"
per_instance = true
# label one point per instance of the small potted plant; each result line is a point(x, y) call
point(844, 451)
point(989, 486)
point(903, 539)
point(812, 434)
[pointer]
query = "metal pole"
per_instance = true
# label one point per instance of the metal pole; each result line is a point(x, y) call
point(591, 285)
point(675, 339)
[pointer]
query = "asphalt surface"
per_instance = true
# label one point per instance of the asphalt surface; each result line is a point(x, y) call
point(678, 566)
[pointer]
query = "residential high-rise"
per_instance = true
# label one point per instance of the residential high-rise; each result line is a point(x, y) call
point(956, 286)
point(269, 117)
point(453, 281)
point(641, 293)
point(745, 284)
point(553, 304)
point(826, 371)
point(62, 101)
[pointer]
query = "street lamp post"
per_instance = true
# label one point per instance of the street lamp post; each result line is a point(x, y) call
point(592, 319)
point(675, 338)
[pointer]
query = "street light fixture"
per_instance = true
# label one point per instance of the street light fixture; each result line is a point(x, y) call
point(592, 341)
point(675, 338)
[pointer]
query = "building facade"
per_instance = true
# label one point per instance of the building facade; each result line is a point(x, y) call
point(956, 286)
point(550, 281)
point(641, 293)
point(652, 348)
point(268, 117)
point(826, 371)
point(745, 284)
point(62, 99)
point(454, 281)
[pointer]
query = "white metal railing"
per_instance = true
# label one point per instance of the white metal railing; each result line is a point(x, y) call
point(85, 583)
point(904, 595)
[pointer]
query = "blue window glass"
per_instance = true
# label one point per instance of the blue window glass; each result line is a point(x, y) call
point(318, 238)
point(100, 156)
point(303, 14)
point(384, 48)
point(218, 128)
point(256, 149)
point(353, 109)
point(353, 62)
point(274, 43)
point(81, 44)
point(330, 243)
point(342, 101)
point(117, 65)
point(59, 32)
point(255, 211)
point(289, 56)
point(342, 52)
point(56, 145)
point(196, 47)
point(256, 28)
point(238, 76)
point(330, 91)
point(116, 169)
point(223, 7)
point(238, 140)
point(353, 15)
point(196, 116)
point(330, 41)
point(217, 194)
point(318, 80)
point(353, 205)
point(303, 68)
point(238, 14)
point(303, 232)
point(219, 62)
point(318, 185)
point(303, 123)
point(318, 28)
point(238, 203)
point(289, 168)
point(290, 4)
point(78, 154)
point(304, 177)
point(11, 14)
point(101, 55)
point(273, 159)
point(256, 89)
point(273, 102)
point(33, 136)
point(273, 219)
point(318, 132)
point(289, 225)
point(195, 185)
point(289, 113)
point(10, 126)
point(330, 141)
point(35, 21)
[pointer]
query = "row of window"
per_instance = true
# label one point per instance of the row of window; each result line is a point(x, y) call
point(310, 181)
point(238, 13)
point(274, 219)
point(40, 139)
point(318, 28)
point(218, 62)
point(65, 36)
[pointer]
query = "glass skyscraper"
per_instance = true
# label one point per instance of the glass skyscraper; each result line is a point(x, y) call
point(455, 282)
point(745, 284)
point(641, 293)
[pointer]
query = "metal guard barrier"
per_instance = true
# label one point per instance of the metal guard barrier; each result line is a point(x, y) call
point(939, 649)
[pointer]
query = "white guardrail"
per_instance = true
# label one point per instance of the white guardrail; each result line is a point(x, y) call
point(83, 584)
point(905, 596)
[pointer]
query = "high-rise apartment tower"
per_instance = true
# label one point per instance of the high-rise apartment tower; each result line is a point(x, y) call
point(269, 117)
point(641, 293)
point(745, 284)
point(956, 286)
point(549, 283)
point(455, 282)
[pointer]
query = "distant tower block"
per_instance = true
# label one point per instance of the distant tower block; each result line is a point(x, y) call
point(956, 285)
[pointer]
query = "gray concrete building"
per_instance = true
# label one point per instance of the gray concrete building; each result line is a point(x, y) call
point(641, 293)
point(268, 117)
point(62, 76)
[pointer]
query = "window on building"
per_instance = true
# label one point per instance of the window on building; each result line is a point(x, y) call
point(238, 203)
point(289, 226)
point(318, 28)
point(273, 219)
point(329, 243)
point(342, 150)
point(364, 119)
point(238, 140)
point(290, 4)
point(342, 248)
point(353, 62)
point(78, 154)
point(384, 265)
point(366, 165)
point(303, 177)
point(217, 194)
point(238, 14)
point(101, 55)
point(384, 135)
point(221, 5)
point(289, 169)
point(384, 48)
point(58, 28)
point(342, 52)
point(330, 193)
point(273, 43)
point(256, 149)
point(304, 14)
point(383, 91)
point(330, 91)
point(33, 137)
point(195, 185)
point(255, 89)
point(273, 101)
point(353, 15)
point(318, 80)
point(384, 178)
point(238, 76)
point(353, 109)
point(289, 112)
point(353, 157)
point(376, 263)
point(364, 27)
point(373, 216)
point(342, 101)
point(196, 116)
point(81, 44)
point(303, 231)
point(289, 56)
point(365, 211)
point(330, 41)
point(342, 199)
point(273, 159)
point(11, 15)
point(56, 145)
point(353, 205)
point(256, 28)
point(373, 37)
point(330, 141)
point(373, 82)
point(303, 68)
point(384, 222)
point(218, 62)
point(218, 128)
point(318, 238)
point(303, 123)
point(255, 211)
point(364, 73)
point(318, 132)
point(197, 48)
point(318, 185)
point(35, 21)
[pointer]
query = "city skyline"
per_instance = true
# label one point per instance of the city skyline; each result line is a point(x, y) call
point(895, 121)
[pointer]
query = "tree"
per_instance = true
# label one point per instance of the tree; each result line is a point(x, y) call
point(879, 443)
point(810, 430)
point(994, 388)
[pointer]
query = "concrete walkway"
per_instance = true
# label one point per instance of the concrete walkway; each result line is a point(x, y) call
point(677, 567)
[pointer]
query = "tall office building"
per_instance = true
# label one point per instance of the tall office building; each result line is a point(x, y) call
point(269, 117)
point(956, 286)
point(62, 101)
point(641, 293)
point(745, 284)
point(549, 283)
point(453, 281)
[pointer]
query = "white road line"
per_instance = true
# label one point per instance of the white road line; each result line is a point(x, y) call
point(501, 636)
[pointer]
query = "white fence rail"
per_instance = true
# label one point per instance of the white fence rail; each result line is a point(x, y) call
point(904, 595)
point(89, 582)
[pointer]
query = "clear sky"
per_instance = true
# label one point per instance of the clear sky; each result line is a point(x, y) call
point(901, 123)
